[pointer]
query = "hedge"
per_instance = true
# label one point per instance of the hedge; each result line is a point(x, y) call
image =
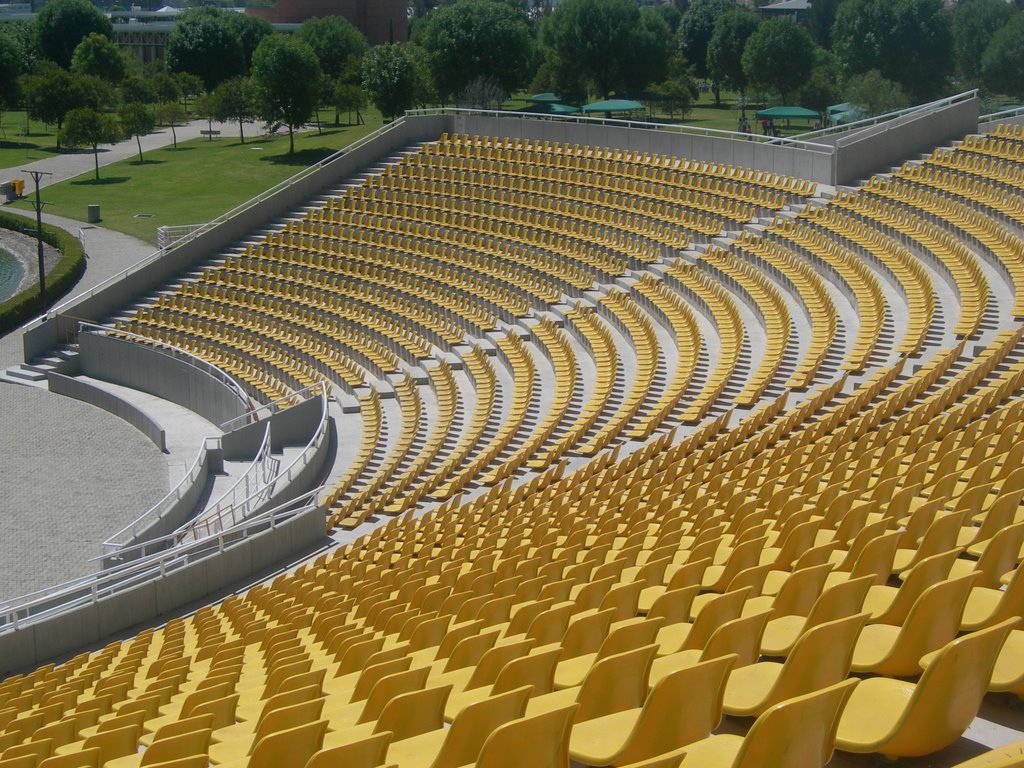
point(59, 280)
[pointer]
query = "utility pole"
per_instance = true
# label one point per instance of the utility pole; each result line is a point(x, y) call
point(36, 176)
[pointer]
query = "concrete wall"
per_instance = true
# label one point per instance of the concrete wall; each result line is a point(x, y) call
point(880, 147)
point(157, 372)
point(292, 426)
point(89, 393)
point(204, 574)
point(776, 158)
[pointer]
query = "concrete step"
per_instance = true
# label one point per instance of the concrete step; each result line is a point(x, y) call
point(26, 374)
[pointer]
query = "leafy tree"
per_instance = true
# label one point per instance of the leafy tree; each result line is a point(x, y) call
point(11, 58)
point(285, 82)
point(974, 24)
point(875, 94)
point(100, 57)
point(822, 88)
point(62, 24)
point(908, 41)
point(649, 52)
point(172, 114)
point(137, 121)
point(471, 40)
point(249, 30)
point(189, 86)
point(231, 101)
point(335, 41)
point(1002, 65)
point(779, 57)
point(204, 43)
point(696, 28)
point(731, 31)
point(23, 33)
point(52, 93)
point(89, 128)
point(206, 108)
point(390, 78)
point(136, 89)
point(678, 94)
point(670, 15)
point(349, 98)
point(165, 87)
point(820, 18)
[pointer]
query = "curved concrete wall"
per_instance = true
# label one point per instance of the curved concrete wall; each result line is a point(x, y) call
point(89, 393)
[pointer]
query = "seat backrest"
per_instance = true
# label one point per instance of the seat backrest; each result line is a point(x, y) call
point(365, 753)
point(410, 714)
point(176, 747)
point(84, 758)
point(877, 557)
point(585, 634)
point(550, 626)
point(187, 725)
point(494, 660)
point(541, 741)
point(796, 733)
point(933, 620)
point(839, 601)
point(471, 727)
point(690, 573)
point(798, 592)
point(288, 717)
point(616, 683)
point(715, 612)
point(470, 650)
point(930, 570)
point(739, 637)
point(286, 699)
point(390, 686)
point(1000, 556)
point(119, 742)
point(536, 670)
point(820, 657)
point(290, 748)
point(673, 606)
point(371, 675)
point(630, 634)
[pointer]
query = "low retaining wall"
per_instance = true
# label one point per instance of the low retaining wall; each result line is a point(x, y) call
point(111, 403)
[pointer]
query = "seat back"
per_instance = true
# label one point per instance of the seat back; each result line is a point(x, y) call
point(288, 717)
point(930, 570)
point(1000, 556)
point(410, 714)
point(839, 601)
point(585, 634)
point(796, 733)
point(739, 637)
point(84, 758)
point(177, 747)
point(390, 686)
point(471, 727)
point(715, 612)
point(494, 660)
point(797, 594)
point(630, 634)
point(876, 558)
point(536, 670)
point(673, 606)
point(616, 683)
point(541, 741)
point(370, 676)
point(290, 748)
point(820, 657)
point(365, 753)
point(119, 742)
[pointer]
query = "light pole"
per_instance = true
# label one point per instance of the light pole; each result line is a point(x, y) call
point(36, 176)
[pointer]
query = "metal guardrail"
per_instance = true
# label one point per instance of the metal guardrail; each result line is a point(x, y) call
point(168, 235)
point(1001, 115)
point(53, 601)
point(268, 409)
point(692, 130)
point(867, 122)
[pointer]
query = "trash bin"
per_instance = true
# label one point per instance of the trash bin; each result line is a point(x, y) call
point(7, 190)
point(92, 213)
point(19, 187)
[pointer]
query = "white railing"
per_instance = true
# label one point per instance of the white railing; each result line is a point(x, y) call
point(1002, 115)
point(248, 493)
point(130, 532)
point(238, 209)
point(888, 116)
point(62, 598)
point(799, 143)
point(259, 412)
point(167, 235)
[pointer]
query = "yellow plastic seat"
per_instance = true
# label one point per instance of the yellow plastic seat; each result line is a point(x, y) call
point(796, 733)
point(740, 638)
point(540, 741)
point(228, 750)
point(836, 602)
point(986, 606)
point(367, 753)
point(629, 634)
point(999, 557)
point(167, 749)
point(291, 748)
point(342, 715)
point(933, 621)
point(461, 743)
point(86, 758)
point(820, 658)
point(683, 707)
point(405, 716)
point(685, 636)
point(536, 670)
point(1008, 756)
point(890, 605)
point(900, 719)
point(187, 725)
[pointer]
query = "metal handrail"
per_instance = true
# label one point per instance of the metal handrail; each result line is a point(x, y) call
point(34, 606)
point(993, 116)
point(271, 408)
point(159, 253)
point(615, 122)
point(888, 116)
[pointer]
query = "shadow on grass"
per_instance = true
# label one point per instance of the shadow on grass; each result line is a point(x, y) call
point(301, 157)
point(145, 161)
point(23, 145)
point(103, 181)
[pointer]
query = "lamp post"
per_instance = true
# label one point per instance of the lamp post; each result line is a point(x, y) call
point(36, 176)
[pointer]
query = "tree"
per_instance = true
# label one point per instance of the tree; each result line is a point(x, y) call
point(779, 57)
point(204, 43)
point(165, 87)
point(137, 121)
point(172, 114)
point(820, 18)
point(136, 89)
point(477, 40)
point(285, 82)
point(822, 88)
point(11, 58)
point(231, 101)
point(670, 15)
point(335, 41)
point(62, 24)
point(974, 24)
point(648, 54)
point(98, 56)
point(349, 98)
point(874, 94)
point(390, 78)
point(908, 41)
point(89, 128)
point(189, 86)
point(249, 30)
point(1002, 65)
point(52, 93)
point(731, 31)
point(695, 30)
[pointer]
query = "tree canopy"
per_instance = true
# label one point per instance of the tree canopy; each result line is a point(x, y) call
point(335, 41)
point(285, 82)
point(100, 57)
point(50, 94)
point(477, 39)
point(90, 128)
point(1002, 65)
point(231, 101)
point(390, 78)
point(204, 43)
point(974, 24)
point(725, 48)
point(908, 41)
point(136, 120)
point(875, 94)
point(249, 30)
point(695, 30)
point(62, 24)
point(11, 60)
point(779, 57)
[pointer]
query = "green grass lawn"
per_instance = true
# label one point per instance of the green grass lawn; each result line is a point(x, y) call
point(194, 183)
point(16, 147)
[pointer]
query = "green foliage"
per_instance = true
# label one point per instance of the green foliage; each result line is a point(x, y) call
point(23, 33)
point(822, 88)
point(695, 30)
point(477, 39)
point(908, 41)
point(974, 24)
point(11, 60)
point(136, 120)
point(285, 81)
point(249, 30)
point(874, 94)
point(59, 280)
point(165, 87)
point(731, 31)
point(670, 15)
point(390, 78)
point(100, 57)
point(204, 43)
point(349, 98)
point(338, 45)
point(170, 113)
point(820, 18)
point(88, 128)
point(650, 48)
point(51, 93)
point(62, 24)
point(779, 57)
point(232, 100)
point(1002, 65)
